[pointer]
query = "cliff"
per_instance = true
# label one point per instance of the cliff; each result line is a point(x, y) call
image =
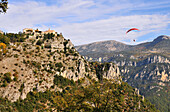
point(33, 65)
point(145, 66)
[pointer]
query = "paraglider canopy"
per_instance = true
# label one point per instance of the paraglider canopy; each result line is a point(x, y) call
point(132, 29)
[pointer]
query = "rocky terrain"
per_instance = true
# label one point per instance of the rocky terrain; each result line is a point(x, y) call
point(145, 66)
point(42, 71)
point(33, 64)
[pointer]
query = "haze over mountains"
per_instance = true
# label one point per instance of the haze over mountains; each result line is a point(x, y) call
point(103, 46)
point(157, 45)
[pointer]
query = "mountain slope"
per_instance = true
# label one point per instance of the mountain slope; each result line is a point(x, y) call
point(145, 66)
point(104, 46)
point(43, 72)
point(157, 45)
point(30, 65)
point(160, 43)
point(96, 97)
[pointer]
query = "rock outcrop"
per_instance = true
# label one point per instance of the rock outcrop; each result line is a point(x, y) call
point(33, 64)
point(112, 73)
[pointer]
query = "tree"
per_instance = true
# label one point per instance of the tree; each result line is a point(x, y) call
point(3, 47)
point(39, 42)
point(2, 50)
point(3, 6)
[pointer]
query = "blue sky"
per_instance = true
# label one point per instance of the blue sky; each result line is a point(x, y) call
point(87, 21)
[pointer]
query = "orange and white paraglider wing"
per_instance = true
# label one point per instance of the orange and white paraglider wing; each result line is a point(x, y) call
point(132, 29)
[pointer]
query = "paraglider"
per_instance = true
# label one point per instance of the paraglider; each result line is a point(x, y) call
point(132, 29)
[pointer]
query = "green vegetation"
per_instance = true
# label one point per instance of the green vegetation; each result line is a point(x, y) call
point(62, 82)
point(98, 67)
point(39, 42)
point(65, 95)
point(15, 76)
point(12, 37)
point(144, 71)
point(22, 87)
point(6, 79)
point(3, 6)
point(59, 65)
point(159, 98)
point(97, 97)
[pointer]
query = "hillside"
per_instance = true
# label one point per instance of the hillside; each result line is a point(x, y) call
point(145, 66)
point(158, 45)
point(35, 62)
point(104, 47)
point(42, 71)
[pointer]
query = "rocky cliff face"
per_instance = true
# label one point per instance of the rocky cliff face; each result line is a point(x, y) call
point(145, 66)
point(154, 59)
point(141, 62)
point(33, 64)
point(112, 73)
point(150, 73)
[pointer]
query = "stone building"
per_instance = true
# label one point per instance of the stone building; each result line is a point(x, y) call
point(32, 31)
point(49, 31)
point(28, 30)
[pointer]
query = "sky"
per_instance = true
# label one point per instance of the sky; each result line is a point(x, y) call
point(87, 21)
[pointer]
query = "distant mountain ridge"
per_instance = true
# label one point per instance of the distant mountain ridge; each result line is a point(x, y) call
point(159, 44)
point(103, 46)
point(145, 66)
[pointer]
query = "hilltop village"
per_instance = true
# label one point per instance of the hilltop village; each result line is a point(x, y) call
point(38, 32)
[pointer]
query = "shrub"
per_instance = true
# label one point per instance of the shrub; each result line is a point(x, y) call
point(59, 80)
point(65, 43)
point(72, 69)
point(67, 54)
point(39, 42)
point(21, 87)
point(35, 71)
point(75, 54)
point(4, 84)
point(59, 65)
point(48, 46)
point(7, 77)
point(71, 51)
point(15, 55)
point(15, 78)
point(16, 64)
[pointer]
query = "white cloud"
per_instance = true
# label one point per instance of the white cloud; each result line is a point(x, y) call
point(84, 21)
point(114, 28)
point(30, 13)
